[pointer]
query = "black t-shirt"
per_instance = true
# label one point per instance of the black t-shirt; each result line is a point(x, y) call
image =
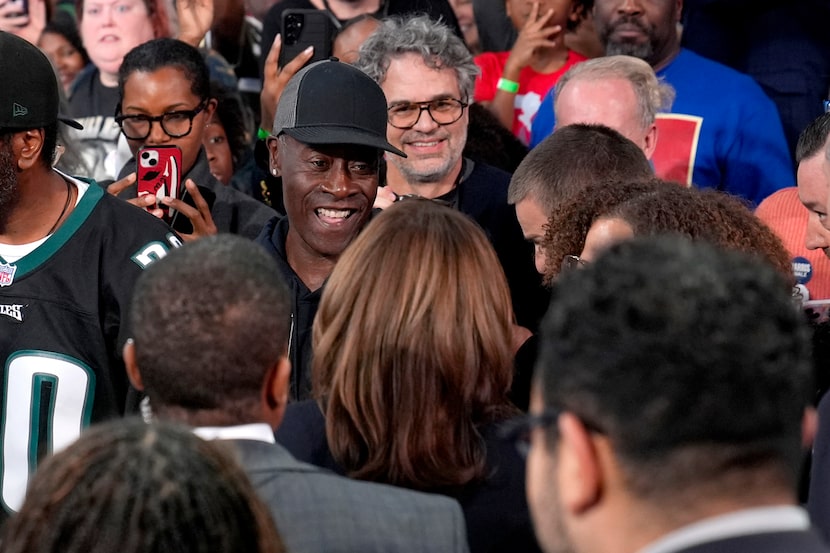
point(93, 105)
point(435, 9)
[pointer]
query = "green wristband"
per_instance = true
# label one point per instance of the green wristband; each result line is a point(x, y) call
point(508, 86)
point(262, 134)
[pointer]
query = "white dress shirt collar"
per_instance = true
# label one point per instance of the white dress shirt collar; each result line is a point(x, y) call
point(259, 432)
point(785, 518)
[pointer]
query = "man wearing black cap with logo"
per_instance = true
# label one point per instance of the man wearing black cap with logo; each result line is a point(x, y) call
point(329, 133)
point(69, 255)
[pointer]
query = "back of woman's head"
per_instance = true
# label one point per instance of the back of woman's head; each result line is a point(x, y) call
point(136, 488)
point(709, 215)
point(412, 348)
point(569, 222)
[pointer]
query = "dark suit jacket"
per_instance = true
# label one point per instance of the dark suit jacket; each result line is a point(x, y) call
point(319, 512)
point(496, 511)
point(770, 542)
point(818, 501)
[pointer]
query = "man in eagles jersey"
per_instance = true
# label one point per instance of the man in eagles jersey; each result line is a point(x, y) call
point(69, 255)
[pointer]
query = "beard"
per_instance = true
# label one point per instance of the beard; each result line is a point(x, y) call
point(9, 190)
point(545, 502)
point(431, 170)
point(643, 51)
point(551, 533)
point(615, 47)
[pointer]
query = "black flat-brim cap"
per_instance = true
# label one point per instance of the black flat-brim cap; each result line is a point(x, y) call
point(29, 96)
point(329, 102)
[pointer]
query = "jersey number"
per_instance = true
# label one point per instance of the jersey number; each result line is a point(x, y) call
point(47, 401)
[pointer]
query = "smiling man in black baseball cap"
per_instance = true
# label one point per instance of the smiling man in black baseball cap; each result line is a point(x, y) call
point(69, 255)
point(329, 134)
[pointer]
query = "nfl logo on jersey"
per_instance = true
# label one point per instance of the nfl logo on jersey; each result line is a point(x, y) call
point(7, 273)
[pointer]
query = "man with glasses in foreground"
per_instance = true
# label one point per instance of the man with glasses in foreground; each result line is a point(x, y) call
point(428, 75)
point(669, 401)
point(164, 90)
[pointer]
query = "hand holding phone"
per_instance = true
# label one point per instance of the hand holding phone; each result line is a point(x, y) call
point(304, 28)
point(159, 173)
point(14, 8)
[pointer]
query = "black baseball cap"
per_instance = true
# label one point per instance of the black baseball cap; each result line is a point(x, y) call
point(29, 95)
point(329, 102)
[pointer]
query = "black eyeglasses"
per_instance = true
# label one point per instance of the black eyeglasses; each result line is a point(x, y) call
point(518, 430)
point(573, 262)
point(175, 123)
point(443, 111)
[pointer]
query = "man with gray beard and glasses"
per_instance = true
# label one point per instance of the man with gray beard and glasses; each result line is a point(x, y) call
point(428, 75)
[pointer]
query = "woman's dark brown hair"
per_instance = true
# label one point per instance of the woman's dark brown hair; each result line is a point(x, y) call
point(709, 215)
point(660, 207)
point(569, 222)
point(133, 487)
point(412, 351)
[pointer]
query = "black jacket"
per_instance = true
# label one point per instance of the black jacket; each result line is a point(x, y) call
point(482, 195)
point(495, 510)
point(304, 304)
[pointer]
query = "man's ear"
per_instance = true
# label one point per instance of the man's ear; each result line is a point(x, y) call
point(273, 155)
point(809, 427)
point(577, 13)
point(579, 470)
point(275, 391)
point(651, 141)
point(30, 144)
point(210, 109)
point(132, 365)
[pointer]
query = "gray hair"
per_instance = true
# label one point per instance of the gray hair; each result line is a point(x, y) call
point(653, 94)
point(437, 45)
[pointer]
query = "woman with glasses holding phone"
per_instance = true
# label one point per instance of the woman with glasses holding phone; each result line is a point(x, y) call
point(165, 100)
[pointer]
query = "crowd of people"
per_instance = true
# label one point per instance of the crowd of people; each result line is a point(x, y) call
point(519, 276)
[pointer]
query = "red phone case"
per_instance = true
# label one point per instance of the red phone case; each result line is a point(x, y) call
point(159, 173)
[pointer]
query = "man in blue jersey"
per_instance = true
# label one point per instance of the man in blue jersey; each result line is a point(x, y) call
point(723, 132)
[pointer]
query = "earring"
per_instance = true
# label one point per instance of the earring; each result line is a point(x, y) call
point(274, 172)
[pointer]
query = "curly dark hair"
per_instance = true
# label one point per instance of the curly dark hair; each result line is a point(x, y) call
point(660, 207)
point(711, 215)
point(569, 222)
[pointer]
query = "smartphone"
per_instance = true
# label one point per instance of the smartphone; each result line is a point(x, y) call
point(304, 28)
point(21, 6)
point(160, 173)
